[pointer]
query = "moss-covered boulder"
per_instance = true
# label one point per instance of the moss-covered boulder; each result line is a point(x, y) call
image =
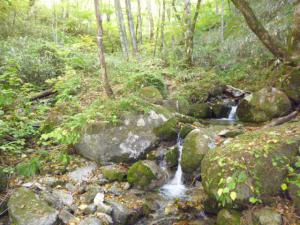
point(291, 86)
point(252, 166)
point(146, 175)
point(114, 172)
point(201, 111)
point(185, 129)
point(171, 157)
point(220, 110)
point(266, 216)
point(226, 217)
point(177, 104)
point(264, 105)
point(26, 208)
point(168, 130)
point(294, 193)
point(151, 94)
point(195, 146)
point(3, 180)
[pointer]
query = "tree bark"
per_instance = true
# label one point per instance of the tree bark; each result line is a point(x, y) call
point(296, 34)
point(256, 26)
point(151, 20)
point(157, 28)
point(104, 76)
point(131, 27)
point(140, 23)
point(122, 29)
point(162, 26)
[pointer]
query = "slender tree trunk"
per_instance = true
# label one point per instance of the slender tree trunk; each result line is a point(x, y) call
point(222, 20)
point(296, 35)
point(157, 28)
point(140, 23)
point(131, 27)
point(104, 76)
point(151, 20)
point(190, 24)
point(162, 27)
point(217, 7)
point(122, 29)
point(255, 25)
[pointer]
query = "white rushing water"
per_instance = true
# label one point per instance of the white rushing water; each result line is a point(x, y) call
point(232, 114)
point(175, 187)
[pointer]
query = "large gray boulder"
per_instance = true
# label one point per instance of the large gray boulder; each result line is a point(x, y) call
point(264, 105)
point(25, 208)
point(122, 143)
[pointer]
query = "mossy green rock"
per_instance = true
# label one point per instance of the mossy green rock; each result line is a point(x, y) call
point(264, 105)
point(201, 111)
point(145, 175)
point(291, 86)
point(26, 208)
point(185, 129)
point(220, 110)
point(171, 157)
point(194, 149)
point(114, 172)
point(180, 105)
point(226, 217)
point(151, 94)
point(168, 130)
point(252, 165)
point(3, 180)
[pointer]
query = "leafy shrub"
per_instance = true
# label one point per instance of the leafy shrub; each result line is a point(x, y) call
point(30, 168)
point(144, 79)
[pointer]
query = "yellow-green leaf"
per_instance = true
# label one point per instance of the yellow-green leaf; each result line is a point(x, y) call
point(233, 195)
point(284, 187)
point(220, 191)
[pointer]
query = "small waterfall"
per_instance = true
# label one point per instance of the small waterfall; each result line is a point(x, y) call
point(175, 187)
point(232, 114)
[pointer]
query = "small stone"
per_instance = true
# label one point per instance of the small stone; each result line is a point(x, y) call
point(102, 208)
point(82, 174)
point(65, 216)
point(90, 221)
point(99, 199)
point(90, 209)
point(106, 219)
point(65, 197)
point(70, 187)
point(82, 207)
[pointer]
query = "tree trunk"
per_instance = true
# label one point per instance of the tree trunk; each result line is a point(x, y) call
point(255, 25)
point(151, 20)
point(104, 76)
point(140, 23)
point(162, 26)
point(222, 20)
point(131, 27)
point(217, 7)
point(157, 28)
point(190, 30)
point(296, 35)
point(122, 29)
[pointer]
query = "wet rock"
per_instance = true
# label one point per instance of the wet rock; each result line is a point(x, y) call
point(264, 105)
point(82, 174)
point(171, 157)
point(195, 147)
point(261, 157)
point(267, 216)
point(126, 142)
point(146, 175)
point(201, 111)
point(226, 217)
point(151, 94)
point(91, 221)
point(65, 216)
point(168, 130)
point(114, 172)
point(221, 110)
point(291, 86)
point(26, 208)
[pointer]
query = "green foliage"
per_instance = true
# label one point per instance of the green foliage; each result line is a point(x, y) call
point(30, 168)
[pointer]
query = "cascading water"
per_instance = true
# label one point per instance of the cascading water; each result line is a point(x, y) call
point(232, 114)
point(175, 187)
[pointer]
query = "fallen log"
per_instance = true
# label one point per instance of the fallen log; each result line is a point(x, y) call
point(42, 94)
point(284, 119)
